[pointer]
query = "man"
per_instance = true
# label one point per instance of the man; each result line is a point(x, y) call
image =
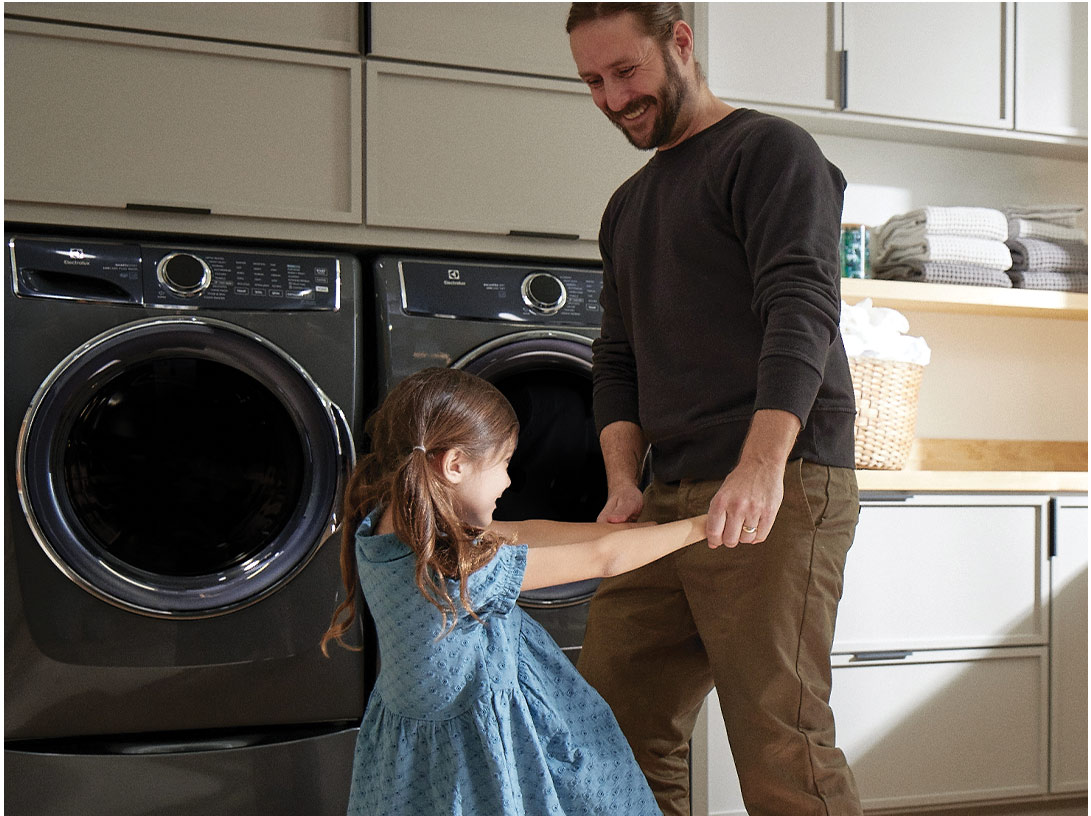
point(720, 352)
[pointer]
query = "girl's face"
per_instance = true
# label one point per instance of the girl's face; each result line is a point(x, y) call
point(481, 485)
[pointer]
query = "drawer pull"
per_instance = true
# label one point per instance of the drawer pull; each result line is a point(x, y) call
point(563, 236)
point(168, 208)
point(864, 657)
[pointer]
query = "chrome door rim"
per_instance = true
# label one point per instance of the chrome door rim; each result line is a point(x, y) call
point(265, 576)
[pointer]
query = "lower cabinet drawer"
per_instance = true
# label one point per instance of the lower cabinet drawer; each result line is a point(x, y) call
point(938, 727)
point(929, 728)
point(946, 572)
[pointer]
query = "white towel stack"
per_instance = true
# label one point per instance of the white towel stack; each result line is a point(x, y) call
point(1048, 247)
point(944, 245)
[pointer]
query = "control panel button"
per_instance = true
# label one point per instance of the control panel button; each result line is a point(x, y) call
point(544, 292)
point(184, 274)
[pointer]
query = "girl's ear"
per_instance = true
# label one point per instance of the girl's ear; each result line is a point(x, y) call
point(452, 465)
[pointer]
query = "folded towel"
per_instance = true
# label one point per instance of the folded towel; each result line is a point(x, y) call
point(1033, 255)
point(977, 251)
point(1047, 231)
point(1056, 281)
point(946, 272)
point(1063, 215)
point(972, 222)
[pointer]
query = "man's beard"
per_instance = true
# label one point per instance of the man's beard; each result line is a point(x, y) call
point(668, 105)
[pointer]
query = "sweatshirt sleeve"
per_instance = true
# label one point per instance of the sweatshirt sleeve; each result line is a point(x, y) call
point(786, 201)
point(614, 381)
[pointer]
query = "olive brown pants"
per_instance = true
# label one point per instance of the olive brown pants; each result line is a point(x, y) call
point(755, 621)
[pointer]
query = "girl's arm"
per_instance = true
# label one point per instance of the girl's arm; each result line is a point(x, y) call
point(544, 533)
point(611, 554)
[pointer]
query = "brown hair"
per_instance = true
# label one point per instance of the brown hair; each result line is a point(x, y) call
point(424, 416)
point(656, 20)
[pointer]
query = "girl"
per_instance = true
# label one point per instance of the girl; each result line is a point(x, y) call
point(476, 711)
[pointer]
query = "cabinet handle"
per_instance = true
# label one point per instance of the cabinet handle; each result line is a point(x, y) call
point(167, 208)
point(844, 79)
point(564, 236)
point(863, 657)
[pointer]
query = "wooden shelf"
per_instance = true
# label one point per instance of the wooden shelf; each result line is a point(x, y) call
point(957, 465)
point(952, 298)
point(970, 481)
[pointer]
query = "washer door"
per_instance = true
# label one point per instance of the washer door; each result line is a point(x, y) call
point(557, 471)
point(181, 467)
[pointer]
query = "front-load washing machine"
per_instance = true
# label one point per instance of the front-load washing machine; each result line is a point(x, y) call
point(178, 433)
point(527, 329)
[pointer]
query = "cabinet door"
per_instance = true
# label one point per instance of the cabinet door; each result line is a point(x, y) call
point(749, 45)
point(921, 730)
point(477, 152)
point(319, 26)
point(940, 62)
point(524, 38)
point(945, 572)
point(156, 122)
point(1068, 648)
point(1051, 68)
point(944, 726)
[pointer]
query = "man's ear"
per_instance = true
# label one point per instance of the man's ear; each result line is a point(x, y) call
point(683, 41)
point(452, 465)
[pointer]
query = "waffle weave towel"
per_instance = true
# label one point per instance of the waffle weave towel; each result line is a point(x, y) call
point(984, 252)
point(972, 222)
point(1056, 281)
point(1033, 255)
point(1063, 215)
point(946, 272)
point(1045, 230)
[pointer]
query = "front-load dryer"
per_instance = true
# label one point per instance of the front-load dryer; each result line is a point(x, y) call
point(527, 329)
point(179, 430)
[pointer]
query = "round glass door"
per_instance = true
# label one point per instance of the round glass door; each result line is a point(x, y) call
point(181, 467)
point(557, 471)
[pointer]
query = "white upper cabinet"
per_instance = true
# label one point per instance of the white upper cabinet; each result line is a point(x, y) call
point(1051, 68)
point(522, 38)
point(774, 53)
point(940, 62)
point(315, 26)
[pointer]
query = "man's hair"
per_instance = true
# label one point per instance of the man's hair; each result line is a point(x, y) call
point(656, 20)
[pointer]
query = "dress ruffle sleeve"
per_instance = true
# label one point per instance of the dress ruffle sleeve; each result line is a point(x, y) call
point(495, 587)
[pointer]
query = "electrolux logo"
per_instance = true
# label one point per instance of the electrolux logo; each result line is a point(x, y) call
point(454, 278)
point(77, 257)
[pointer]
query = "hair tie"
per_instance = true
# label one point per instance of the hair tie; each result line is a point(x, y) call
point(421, 448)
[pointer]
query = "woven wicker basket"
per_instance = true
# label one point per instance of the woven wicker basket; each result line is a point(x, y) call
point(886, 411)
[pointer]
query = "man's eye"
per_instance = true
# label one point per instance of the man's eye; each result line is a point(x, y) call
point(594, 83)
point(626, 72)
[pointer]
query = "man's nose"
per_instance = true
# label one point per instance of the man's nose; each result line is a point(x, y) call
point(616, 95)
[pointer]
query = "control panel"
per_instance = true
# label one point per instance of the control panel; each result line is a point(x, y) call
point(174, 277)
point(503, 292)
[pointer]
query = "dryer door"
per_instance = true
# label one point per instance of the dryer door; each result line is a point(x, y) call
point(181, 467)
point(557, 471)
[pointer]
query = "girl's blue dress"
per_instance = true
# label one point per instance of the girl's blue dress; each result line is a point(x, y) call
point(490, 720)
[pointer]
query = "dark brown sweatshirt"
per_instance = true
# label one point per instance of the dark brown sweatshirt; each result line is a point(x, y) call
point(721, 296)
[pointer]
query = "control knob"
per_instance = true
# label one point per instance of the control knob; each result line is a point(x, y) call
point(544, 293)
point(183, 274)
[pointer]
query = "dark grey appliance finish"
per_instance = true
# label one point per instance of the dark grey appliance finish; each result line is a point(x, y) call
point(178, 431)
point(527, 329)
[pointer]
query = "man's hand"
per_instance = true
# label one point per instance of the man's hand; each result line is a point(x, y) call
point(623, 450)
point(623, 505)
point(745, 507)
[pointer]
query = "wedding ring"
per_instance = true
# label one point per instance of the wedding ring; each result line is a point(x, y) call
point(749, 530)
